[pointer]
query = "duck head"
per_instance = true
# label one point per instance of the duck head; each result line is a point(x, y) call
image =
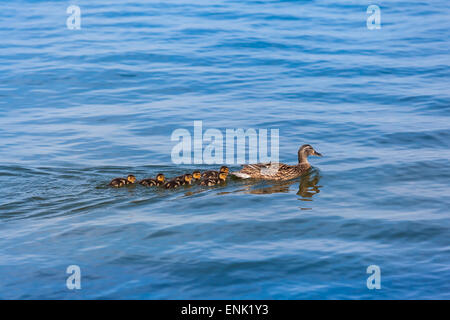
point(305, 151)
point(160, 177)
point(223, 176)
point(131, 178)
point(196, 175)
point(188, 178)
point(224, 169)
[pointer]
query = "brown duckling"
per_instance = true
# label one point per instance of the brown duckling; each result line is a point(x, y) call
point(120, 182)
point(279, 171)
point(158, 181)
point(214, 174)
point(214, 181)
point(178, 178)
point(182, 177)
point(187, 179)
point(172, 184)
point(196, 175)
point(183, 180)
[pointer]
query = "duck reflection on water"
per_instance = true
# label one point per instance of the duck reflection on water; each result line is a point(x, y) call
point(308, 186)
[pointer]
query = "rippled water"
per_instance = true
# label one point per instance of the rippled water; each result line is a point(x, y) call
point(79, 107)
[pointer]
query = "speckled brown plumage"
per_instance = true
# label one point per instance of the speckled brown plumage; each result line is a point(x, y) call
point(279, 171)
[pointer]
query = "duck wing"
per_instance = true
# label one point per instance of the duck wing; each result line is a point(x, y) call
point(271, 170)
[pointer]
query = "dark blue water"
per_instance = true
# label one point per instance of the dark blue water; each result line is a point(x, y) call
point(79, 107)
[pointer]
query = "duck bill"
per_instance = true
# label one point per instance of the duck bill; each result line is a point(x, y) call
point(317, 154)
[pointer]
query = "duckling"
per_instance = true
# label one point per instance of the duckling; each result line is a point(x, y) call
point(279, 171)
point(196, 175)
point(215, 174)
point(120, 182)
point(214, 181)
point(172, 184)
point(158, 181)
point(187, 179)
point(182, 177)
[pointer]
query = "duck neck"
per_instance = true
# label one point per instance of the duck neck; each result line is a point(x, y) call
point(302, 158)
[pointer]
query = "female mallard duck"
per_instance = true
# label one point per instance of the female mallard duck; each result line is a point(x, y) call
point(214, 181)
point(158, 181)
point(120, 182)
point(279, 171)
point(214, 174)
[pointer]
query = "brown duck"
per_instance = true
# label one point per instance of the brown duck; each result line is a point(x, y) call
point(183, 180)
point(196, 175)
point(158, 181)
point(187, 179)
point(214, 181)
point(120, 182)
point(279, 171)
point(214, 174)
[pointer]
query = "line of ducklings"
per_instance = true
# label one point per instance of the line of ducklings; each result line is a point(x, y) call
point(206, 178)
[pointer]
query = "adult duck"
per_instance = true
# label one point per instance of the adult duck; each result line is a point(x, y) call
point(279, 171)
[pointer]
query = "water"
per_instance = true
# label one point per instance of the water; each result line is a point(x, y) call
point(79, 107)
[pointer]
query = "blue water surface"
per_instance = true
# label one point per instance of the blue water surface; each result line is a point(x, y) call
point(80, 107)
